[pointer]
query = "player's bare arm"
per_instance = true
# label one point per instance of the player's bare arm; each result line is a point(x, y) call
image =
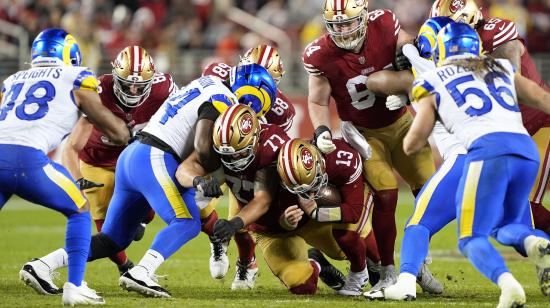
point(114, 128)
point(531, 94)
point(75, 143)
point(422, 126)
point(512, 51)
point(386, 82)
point(404, 38)
point(318, 100)
point(189, 169)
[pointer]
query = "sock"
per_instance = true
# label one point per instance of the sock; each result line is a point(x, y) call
point(175, 235)
point(407, 278)
point(414, 249)
point(483, 256)
point(353, 247)
point(56, 259)
point(541, 217)
point(505, 279)
point(207, 223)
point(151, 261)
point(246, 246)
point(372, 247)
point(383, 223)
point(119, 258)
point(77, 245)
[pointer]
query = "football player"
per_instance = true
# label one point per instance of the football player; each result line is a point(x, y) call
point(501, 39)
point(281, 113)
point(146, 172)
point(339, 63)
point(305, 172)
point(249, 151)
point(133, 92)
point(40, 106)
point(502, 161)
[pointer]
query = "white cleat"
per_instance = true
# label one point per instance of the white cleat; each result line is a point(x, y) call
point(354, 283)
point(512, 297)
point(427, 281)
point(138, 280)
point(37, 275)
point(245, 277)
point(387, 278)
point(219, 262)
point(400, 291)
point(82, 295)
point(540, 254)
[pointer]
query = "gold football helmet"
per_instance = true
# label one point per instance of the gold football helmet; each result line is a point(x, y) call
point(266, 56)
point(302, 169)
point(346, 22)
point(236, 136)
point(464, 11)
point(133, 72)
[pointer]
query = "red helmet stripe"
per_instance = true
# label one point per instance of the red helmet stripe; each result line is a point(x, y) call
point(140, 59)
point(227, 119)
point(289, 170)
point(266, 55)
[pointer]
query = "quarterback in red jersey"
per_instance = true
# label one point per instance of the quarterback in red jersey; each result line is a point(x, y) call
point(133, 92)
point(281, 113)
point(339, 63)
point(500, 39)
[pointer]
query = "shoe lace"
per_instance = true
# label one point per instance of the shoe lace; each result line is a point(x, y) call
point(242, 271)
point(156, 277)
point(217, 248)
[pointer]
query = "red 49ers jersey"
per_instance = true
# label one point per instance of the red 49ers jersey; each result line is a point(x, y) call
point(282, 111)
point(99, 150)
point(496, 32)
point(344, 167)
point(347, 72)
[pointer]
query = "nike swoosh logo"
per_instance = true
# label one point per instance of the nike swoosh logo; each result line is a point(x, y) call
point(501, 28)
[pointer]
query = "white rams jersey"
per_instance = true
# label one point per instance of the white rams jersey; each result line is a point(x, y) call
point(175, 121)
point(447, 144)
point(38, 108)
point(471, 106)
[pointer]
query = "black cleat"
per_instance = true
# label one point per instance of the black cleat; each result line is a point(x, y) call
point(37, 275)
point(329, 274)
point(138, 280)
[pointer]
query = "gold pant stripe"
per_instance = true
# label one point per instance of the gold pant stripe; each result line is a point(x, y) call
point(168, 186)
point(542, 140)
point(467, 208)
point(426, 195)
point(68, 186)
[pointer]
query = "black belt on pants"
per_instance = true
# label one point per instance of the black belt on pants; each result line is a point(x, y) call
point(154, 141)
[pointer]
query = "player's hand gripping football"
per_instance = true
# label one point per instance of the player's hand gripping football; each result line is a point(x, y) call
point(394, 102)
point(87, 184)
point(323, 139)
point(290, 218)
point(225, 229)
point(209, 187)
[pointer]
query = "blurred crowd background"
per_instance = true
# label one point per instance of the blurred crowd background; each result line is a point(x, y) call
point(183, 35)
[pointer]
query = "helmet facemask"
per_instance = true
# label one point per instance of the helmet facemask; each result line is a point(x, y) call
point(348, 33)
point(131, 93)
point(133, 72)
point(238, 160)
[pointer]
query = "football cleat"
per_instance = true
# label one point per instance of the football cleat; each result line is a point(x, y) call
point(427, 281)
point(245, 277)
point(354, 283)
point(374, 271)
point(140, 232)
point(139, 280)
point(73, 295)
point(387, 278)
point(512, 296)
point(37, 275)
point(328, 274)
point(219, 262)
point(125, 267)
point(540, 254)
point(402, 290)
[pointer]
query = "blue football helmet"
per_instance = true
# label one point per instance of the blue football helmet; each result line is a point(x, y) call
point(427, 36)
point(456, 39)
point(55, 46)
point(254, 87)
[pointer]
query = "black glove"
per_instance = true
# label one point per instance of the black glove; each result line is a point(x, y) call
point(225, 229)
point(209, 187)
point(85, 184)
point(401, 62)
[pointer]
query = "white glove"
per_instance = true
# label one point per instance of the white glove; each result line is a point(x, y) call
point(354, 138)
point(394, 102)
point(323, 139)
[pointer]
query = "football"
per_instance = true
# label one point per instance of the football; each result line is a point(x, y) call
point(330, 197)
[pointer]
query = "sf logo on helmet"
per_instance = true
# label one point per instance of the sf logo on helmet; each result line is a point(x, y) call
point(246, 124)
point(457, 5)
point(307, 158)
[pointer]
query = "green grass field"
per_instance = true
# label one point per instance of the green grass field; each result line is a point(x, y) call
point(28, 231)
